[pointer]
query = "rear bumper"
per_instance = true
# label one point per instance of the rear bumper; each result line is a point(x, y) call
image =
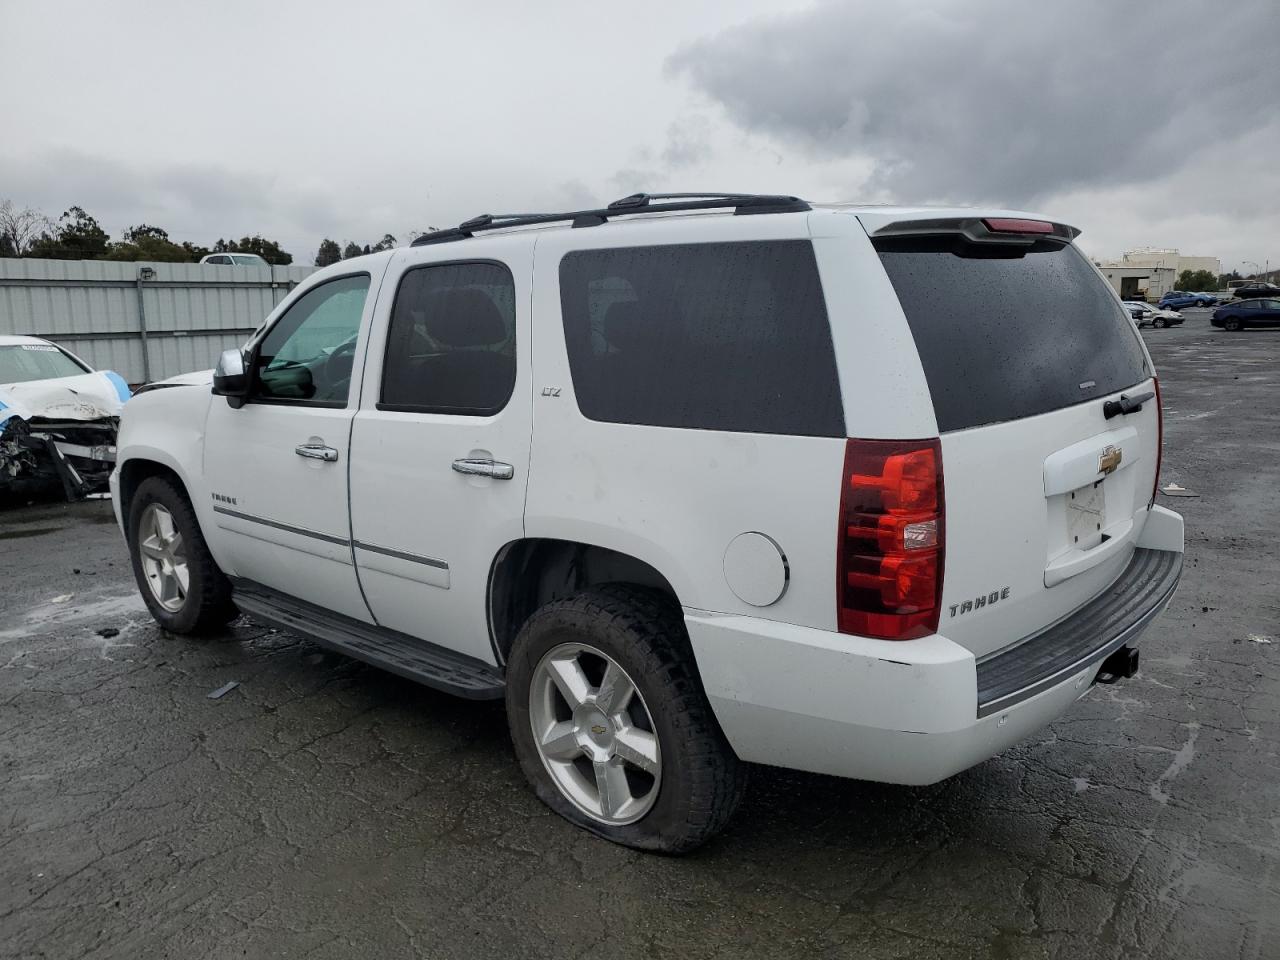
point(914, 712)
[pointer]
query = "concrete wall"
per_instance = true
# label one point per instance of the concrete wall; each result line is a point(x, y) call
point(143, 327)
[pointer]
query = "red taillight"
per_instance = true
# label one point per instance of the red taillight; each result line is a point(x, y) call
point(1011, 225)
point(1159, 440)
point(892, 539)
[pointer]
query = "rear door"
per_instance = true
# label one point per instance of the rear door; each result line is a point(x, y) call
point(440, 447)
point(1023, 345)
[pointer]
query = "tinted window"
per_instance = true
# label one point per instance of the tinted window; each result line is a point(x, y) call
point(221, 261)
point(717, 336)
point(452, 343)
point(1007, 332)
point(310, 352)
point(1249, 305)
point(36, 361)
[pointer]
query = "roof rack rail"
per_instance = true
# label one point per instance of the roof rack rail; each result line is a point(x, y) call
point(740, 203)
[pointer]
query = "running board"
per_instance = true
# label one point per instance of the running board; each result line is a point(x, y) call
point(411, 658)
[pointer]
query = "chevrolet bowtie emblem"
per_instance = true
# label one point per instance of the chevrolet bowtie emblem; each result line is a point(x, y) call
point(1109, 459)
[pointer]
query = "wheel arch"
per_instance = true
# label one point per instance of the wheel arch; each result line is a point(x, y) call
point(132, 474)
point(528, 573)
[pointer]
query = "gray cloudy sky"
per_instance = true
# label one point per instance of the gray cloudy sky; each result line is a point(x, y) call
point(1144, 123)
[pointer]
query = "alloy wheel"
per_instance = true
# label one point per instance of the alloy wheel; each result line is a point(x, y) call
point(595, 734)
point(164, 557)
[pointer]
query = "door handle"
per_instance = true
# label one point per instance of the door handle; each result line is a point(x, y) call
point(485, 468)
point(316, 451)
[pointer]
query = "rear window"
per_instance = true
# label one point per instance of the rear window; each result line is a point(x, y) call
point(714, 336)
point(1008, 332)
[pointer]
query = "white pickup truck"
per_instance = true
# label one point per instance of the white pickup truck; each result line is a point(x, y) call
point(691, 481)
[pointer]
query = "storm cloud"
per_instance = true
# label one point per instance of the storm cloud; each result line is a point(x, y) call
point(996, 101)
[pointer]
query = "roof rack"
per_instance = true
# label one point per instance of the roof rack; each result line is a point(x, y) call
point(740, 203)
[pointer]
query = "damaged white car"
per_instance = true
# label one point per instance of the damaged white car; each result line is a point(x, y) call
point(58, 419)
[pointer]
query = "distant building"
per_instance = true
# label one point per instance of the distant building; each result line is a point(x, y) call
point(1151, 272)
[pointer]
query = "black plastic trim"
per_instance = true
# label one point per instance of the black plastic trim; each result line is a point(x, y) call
point(399, 653)
point(1106, 623)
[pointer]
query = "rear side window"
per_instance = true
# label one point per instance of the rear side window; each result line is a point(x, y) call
point(715, 336)
point(452, 343)
point(1007, 332)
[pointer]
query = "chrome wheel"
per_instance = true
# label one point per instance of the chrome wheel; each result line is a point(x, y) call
point(595, 734)
point(164, 557)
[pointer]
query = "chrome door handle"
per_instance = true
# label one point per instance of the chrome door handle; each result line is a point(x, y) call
point(316, 451)
point(485, 468)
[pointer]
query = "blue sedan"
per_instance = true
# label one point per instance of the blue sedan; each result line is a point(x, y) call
point(1247, 313)
point(1176, 299)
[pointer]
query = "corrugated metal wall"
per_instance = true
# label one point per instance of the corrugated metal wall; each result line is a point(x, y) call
point(189, 312)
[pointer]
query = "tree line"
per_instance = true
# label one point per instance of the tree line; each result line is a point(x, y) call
point(77, 235)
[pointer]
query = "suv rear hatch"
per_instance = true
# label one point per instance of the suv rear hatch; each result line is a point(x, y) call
point(1048, 474)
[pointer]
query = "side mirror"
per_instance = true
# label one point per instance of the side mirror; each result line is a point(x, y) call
point(231, 378)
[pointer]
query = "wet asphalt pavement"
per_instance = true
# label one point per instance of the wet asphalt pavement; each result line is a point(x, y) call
point(324, 809)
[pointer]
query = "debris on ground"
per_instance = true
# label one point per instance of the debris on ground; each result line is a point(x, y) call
point(1173, 490)
point(108, 632)
point(223, 690)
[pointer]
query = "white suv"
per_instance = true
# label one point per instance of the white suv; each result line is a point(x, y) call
point(862, 491)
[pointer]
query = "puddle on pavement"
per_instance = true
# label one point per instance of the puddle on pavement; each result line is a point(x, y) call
point(48, 617)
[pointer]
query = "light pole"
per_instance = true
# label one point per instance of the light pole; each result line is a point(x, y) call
point(1254, 264)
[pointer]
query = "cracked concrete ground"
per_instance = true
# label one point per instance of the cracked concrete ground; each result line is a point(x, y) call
point(324, 809)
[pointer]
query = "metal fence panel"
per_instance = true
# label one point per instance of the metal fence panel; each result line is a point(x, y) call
point(146, 321)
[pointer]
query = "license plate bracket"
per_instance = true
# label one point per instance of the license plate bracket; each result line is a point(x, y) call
point(1086, 516)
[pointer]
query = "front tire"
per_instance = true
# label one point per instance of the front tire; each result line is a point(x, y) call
point(1159, 323)
point(1232, 324)
point(611, 725)
point(177, 576)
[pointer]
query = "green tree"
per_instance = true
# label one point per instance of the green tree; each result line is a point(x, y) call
point(1197, 280)
point(329, 253)
point(387, 242)
point(352, 249)
point(1227, 278)
point(145, 242)
point(78, 237)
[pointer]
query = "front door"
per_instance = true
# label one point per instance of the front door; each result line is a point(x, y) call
point(277, 467)
point(440, 446)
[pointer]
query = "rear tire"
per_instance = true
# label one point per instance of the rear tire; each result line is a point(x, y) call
point(672, 805)
point(176, 575)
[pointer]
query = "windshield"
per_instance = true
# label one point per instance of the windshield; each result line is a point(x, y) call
point(36, 361)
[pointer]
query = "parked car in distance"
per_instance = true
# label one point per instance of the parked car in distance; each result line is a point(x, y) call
point(1206, 299)
point(688, 491)
point(1139, 310)
point(1176, 299)
point(1145, 314)
point(1247, 313)
point(235, 260)
point(1250, 291)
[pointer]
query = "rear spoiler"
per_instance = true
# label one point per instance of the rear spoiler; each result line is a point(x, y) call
point(1004, 230)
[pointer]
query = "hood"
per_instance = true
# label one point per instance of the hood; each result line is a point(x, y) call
point(199, 378)
point(91, 396)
